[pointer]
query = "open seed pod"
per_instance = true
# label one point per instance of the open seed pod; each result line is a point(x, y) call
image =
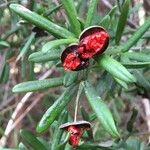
point(76, 130)
point(71, 59)
point(93, 41)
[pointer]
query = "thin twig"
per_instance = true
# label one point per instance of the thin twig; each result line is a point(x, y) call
point(146, 105)
point(20, 105)
point(27, 111)
point(77, 102)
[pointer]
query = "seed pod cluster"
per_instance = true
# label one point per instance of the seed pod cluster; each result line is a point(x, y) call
point(92, 41)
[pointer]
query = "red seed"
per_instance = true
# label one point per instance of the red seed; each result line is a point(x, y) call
point(93, 41)
point(76, 130)
point(71, 59)
point(75, 136)
point(74, 140)
point(92, 44)
point(71, 62)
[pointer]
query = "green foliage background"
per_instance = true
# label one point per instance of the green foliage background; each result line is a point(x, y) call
point(114, 88)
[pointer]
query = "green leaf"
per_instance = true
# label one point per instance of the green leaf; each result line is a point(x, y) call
point(40, 21)
point(91, 13)
point(6, 73)
point(132, 119)
point(38, 57)
point(122, 83)
point(132, 65)
point(58, 132)
point(100, 108)
point(122, 21)
point(21, 146)
point(105, 22)
point(36, 85)
point(31, 140)
point(112, 12)
point(138, 56)
point(135, 144)
point(136, 36)
point(72, 15)
point(104, 83)
point(95, 146)
point(27, 45)
point(54, 111)
point(86, 117)
point(115, 68)
point(4, 44)
point(70, 78)
point(56, 43)
point(50, 11)
point(141, 80)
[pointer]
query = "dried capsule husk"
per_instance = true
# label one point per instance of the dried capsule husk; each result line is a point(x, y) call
point(71, 60)
point(39, 32)
point(80, 124)
point(76, 130)
point(93, 41)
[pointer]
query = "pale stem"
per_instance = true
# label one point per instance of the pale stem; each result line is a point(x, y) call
point(77, 101)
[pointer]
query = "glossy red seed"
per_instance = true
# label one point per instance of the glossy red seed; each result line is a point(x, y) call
point(93, 44)
point(71, 62)
point(75, 135)
point(74, 140)
point(76, 130)
point(71, 59)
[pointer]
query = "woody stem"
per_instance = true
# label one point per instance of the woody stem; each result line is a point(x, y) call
point(77, 101)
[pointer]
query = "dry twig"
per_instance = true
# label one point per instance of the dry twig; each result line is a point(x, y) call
point(13, 122)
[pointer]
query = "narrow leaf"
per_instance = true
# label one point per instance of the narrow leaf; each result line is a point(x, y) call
point(105, 22)
point(138, 56)
point(56, 43)
point(91, 13)
point(38, 57)
point(122, 83)
point(70, 78)
point(21, 146)
point(54, 111)
point(6, 73)
point(115, 68)
point(112, 12)
point(86, 117)
point(37, 85)
point(50, 11)
point(40, 21)
point(133, 65)
point(4, 44)
point(141, 80)
point(96, 146)
point(100, 108)
point(31, 140)
point(72, 15)
point(26, 47)
point(132, 119)
point(122, 20)
point(58, 132)
point(136, 36)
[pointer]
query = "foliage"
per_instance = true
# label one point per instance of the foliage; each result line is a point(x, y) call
point(119, 72)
